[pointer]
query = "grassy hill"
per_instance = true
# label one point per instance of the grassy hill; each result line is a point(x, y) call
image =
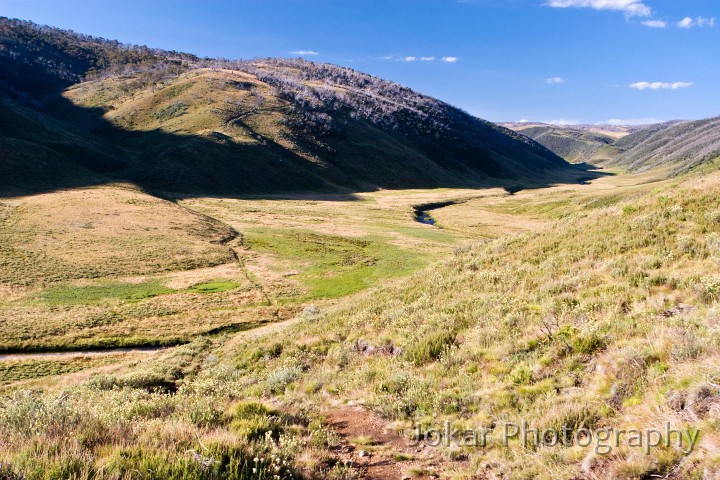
point(604, 320)
point(674, 147)
point(670, 148)
point(172, 122)
point(574, 145)
point(593, 144)
point(42, 153)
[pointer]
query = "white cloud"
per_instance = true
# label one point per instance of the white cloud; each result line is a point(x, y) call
point(563, 122)
point(413, 58)
point(523, 120)
point(689, 22)
point(655, 23)
point(555, 81)
point(305, 52)
point(631, 121)
point(631, 8)
point(705, 22)
point(686, 22)
point(660, 85)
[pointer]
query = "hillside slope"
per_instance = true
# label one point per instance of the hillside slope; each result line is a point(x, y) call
point(180, 124)
point(40, 153)
point(576, 145)
point(605, 320)
point(679, 147)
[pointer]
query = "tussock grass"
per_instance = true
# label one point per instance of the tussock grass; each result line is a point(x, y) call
point(18, 370)
point(586, 325)
point(431, 347)
point(607, 319)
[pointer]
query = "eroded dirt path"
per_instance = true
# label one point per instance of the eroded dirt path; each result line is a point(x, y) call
point(379, 453)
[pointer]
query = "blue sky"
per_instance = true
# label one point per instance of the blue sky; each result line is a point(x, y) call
point(589, 61)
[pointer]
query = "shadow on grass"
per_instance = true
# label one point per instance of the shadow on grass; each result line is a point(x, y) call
point(118, 344)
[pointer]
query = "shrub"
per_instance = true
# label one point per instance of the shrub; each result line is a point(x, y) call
point(251, 409)
point(710, 289)
point(28, 413)
point(429, 348)
point(310, 312)
point(712, 243)
point(281, 377)
point(171, 111)
point(629, 209)
point(203, 412)
point(254, 421)
point(587, 344)
point(395, 384)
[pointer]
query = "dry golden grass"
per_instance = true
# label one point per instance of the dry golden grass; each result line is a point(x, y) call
point(107, 231)
point(111, 266)
point(595, 302)
point(203, 92)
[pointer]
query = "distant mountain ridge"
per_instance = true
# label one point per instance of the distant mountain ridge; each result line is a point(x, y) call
point(174, 122)
point(675, 147)
point(573, 144)
point(593, 144)
point(680, 147)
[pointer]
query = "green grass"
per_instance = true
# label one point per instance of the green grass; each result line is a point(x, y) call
point(215, 286)
point(17, 370)
point(171, 111)
point(132, 292)
point(335, 266)
point(562, 207)
point(430, 234)
point(95, 293)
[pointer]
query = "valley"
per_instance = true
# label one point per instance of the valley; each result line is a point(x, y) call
point(112, 267)
point(272, 276)
point(281, 269)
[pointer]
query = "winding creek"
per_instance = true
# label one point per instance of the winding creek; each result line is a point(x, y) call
point(422, 212)
point(423, 216)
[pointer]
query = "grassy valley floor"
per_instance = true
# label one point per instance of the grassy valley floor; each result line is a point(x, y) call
point(287, 320)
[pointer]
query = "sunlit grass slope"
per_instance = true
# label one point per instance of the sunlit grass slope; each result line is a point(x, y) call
point(607, 319)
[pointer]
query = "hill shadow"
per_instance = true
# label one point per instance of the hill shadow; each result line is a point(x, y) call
point(64, 145)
